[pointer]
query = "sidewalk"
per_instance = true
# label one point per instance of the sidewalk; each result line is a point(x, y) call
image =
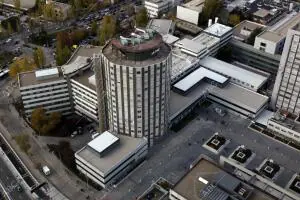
point(64, 180)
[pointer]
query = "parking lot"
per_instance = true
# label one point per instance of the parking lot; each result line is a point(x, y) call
point(172, 157)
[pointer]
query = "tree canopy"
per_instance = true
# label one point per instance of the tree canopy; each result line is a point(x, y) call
point(39, 57)
point(44, 123)
point(251, 38)
point(141, 18)
point(210, 10)
point(107, 30)
point(21, 65)
point(234, 19)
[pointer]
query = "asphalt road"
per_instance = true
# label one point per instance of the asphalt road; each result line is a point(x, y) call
point(10, 183)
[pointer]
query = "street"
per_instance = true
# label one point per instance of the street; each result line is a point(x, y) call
point(10, 183)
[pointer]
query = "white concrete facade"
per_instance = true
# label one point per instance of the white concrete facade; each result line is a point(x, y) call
point(112, 173)
point(137, 98)
point(188, 15)
point(52, 96)
point(283, 130)
point(84, 100)
point(268, 46)
point(287, 85)
point(157, 7)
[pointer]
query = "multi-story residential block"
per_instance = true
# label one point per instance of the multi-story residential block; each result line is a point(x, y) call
point(137, 72)
point(155, 8)
point(287, 86)
point(44, 88)
point(81, 78)
point(61, 10)
point(108, 157)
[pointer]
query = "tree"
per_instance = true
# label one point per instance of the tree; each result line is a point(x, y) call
point(44, 123)
point(17, 4)
point(210, 10)
point(10, 30)
point(225, 54)
point(94, 28)
point(23, 141)
point(251, 38)
point(39, 57)
point(107, 30)
point(21, 65)
point(49, 11)
point(234, 19)
point(141, 18)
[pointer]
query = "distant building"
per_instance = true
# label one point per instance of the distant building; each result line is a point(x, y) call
point(287, 86)
point(190, 11)
point(45, 88)
point(272, 40)
point(61, 10)
point(243, 30)
point(137, 78)
point(262, 16)
point(246, 53)
point(207, 42)
point(25, 5)
point(108, 158)
point(156, 8)
point(206, 180)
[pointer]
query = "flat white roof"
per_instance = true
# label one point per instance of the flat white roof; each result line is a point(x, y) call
point(77, 64)
point(217, 29)
point(190, 45)
point(46, 72)
point(103, 141)
point(196, 76)
point(233, 71)
point(170, 39)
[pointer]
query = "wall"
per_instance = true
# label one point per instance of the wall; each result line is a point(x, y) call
point(187, 14)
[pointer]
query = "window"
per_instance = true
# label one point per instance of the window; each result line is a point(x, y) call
point(263, 44)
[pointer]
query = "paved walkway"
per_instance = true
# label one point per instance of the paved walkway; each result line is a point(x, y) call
point(64, 180)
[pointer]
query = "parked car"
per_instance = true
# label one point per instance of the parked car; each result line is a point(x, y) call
point(74, 134)
point(46, 170)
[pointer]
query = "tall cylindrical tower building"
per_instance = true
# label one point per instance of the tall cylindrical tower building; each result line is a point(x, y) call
point(137, 81)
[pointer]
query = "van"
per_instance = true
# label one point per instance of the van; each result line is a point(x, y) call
point(46, 170)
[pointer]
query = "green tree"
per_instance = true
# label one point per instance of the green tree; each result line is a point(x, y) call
point(17, 4)
point(141, 18)
point(44, 123)
point(94, 28)
point(21, 65)
point(234, 19)
point(225, 54)
point(39, 57)
point(107, 30)
point(251, 38)
point(210, 10)
point(49, 11)
point(10, 29)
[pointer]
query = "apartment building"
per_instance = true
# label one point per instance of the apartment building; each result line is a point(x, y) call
point(45, 88)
